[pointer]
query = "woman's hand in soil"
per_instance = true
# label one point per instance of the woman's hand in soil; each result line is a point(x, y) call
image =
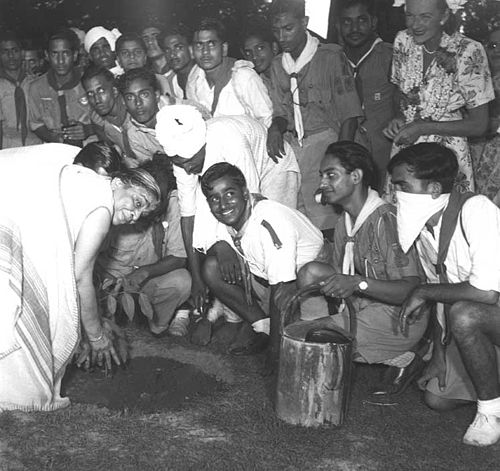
point(83, 354)
point(103, 351)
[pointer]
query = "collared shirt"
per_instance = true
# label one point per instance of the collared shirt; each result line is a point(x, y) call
point(175, 89)
point(377, 253)
point(132, 245)
point(114, 127)
point(376, 91)
point(241, 141)
point(44, 107)
point(474, 252)
point(245, 94)
point(143, 141)
point(327, 91)
point(11, 133)
point(277, 257)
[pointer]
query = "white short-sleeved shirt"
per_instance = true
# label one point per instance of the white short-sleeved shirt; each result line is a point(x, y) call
point(300, 241)
point(245, 94)
point(238, 140)
point(474, 258)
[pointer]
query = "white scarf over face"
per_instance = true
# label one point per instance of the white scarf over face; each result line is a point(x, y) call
point(292, 68)
point(371, 204)
point(413, 211)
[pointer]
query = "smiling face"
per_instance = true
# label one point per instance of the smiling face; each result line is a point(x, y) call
point(101, 54)
point(141, 100)
point(208, 50)
point(228, 202)
point(10, 56)
point(61, 57)
point(131, 55)
point(290, 32)
point(357, 26)
point(425, 20)
point(130, 202)
point(337, 184)
point(260, 52)
point(177, 52)
point(101, 94)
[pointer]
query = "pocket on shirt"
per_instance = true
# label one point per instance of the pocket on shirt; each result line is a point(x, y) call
point(321, 97)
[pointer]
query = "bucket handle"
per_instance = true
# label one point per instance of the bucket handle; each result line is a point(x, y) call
point(306, 291)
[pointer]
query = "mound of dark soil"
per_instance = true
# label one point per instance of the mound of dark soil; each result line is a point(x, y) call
point(147, 384)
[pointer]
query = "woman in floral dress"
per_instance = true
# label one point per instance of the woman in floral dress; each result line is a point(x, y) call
point(485, 151)
point(445, 85)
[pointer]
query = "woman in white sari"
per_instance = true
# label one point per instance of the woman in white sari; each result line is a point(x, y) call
point(54, 220)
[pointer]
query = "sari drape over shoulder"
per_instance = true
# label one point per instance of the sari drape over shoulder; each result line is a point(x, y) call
point(39, 320)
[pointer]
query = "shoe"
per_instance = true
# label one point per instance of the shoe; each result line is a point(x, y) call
point(202, 332)
point(180, 323)
point(259, 342)
point(396, 380)
point(484, 431)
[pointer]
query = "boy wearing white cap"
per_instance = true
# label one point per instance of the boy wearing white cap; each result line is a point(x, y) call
point(100, 45)
point(194, 146)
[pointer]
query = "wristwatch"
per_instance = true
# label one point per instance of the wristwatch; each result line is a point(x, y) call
point(363, 285)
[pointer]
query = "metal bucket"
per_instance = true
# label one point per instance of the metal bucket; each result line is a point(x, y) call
point(315, 370)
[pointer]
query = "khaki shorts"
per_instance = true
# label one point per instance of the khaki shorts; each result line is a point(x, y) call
point(458, 382)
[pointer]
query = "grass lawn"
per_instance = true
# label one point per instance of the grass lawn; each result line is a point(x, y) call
point(207, 410)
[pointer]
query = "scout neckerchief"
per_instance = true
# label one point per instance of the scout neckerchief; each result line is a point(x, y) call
point(237, 235)
point(355, 68)
point(61, 97)
point(292, 68)
point(373, 201)
point(20, 102)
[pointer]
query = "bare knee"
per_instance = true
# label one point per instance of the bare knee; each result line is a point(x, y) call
point(464, 317)
point(313, 272)
point(210, 270)
point(442, 404)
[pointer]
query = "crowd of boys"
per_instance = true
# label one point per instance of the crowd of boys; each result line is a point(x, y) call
point(254, 144)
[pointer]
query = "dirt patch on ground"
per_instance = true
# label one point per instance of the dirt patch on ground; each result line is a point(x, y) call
point(147, 384)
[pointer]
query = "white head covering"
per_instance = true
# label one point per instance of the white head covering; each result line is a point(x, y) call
point(98, 32)
point(181, 130)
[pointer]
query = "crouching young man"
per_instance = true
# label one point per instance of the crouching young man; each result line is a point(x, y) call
point(368, 264)
point(272, 242)
point(465, 278)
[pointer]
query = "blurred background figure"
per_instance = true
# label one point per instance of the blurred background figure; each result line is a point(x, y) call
point(14, 83)
point(484, 150)
point(156, 56)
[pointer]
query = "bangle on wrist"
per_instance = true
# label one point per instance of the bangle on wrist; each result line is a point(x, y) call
point(98, 339)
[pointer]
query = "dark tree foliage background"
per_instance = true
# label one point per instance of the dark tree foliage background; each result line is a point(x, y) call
point(35, 18)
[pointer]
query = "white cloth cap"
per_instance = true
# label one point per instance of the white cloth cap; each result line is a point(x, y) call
point(181, 130)
point(98, 32)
